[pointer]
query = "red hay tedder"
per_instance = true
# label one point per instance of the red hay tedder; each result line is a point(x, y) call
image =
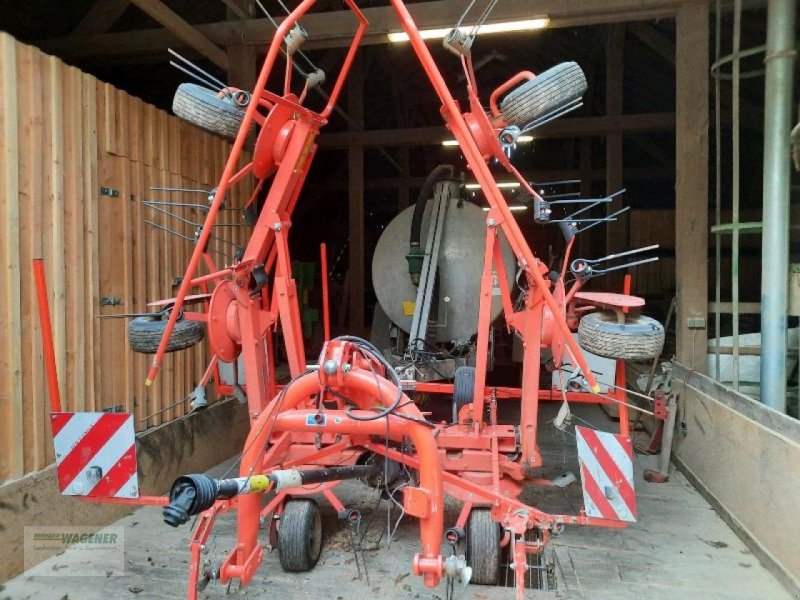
point(348, 415)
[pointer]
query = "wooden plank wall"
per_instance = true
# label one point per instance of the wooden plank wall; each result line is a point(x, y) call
point(63, 136)
point(650, 227)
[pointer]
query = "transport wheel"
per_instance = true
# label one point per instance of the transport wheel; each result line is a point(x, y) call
point(483, 547)
point(299, 535)
point(463, 388)
point(638, 338)
point(549, 91)
point(144, 333)
point(202, 107)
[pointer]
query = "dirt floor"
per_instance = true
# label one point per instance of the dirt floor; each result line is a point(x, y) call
point(679, 548)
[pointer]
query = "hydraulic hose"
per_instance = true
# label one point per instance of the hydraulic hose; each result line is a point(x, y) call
point(415, 252)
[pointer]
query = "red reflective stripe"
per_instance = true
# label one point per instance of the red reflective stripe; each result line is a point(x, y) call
point(89, 445)
point(597, 495)
point(117, 476)
point(58, 420)
point(611, 469)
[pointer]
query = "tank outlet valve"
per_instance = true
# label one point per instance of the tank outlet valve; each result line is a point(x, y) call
point(415, 257)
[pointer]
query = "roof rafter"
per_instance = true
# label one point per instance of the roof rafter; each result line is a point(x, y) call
point(335, 28)
point(186, 32)
point(100, 17)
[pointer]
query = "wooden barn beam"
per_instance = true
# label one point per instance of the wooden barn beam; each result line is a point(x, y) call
point(184, 31)
point(335, 28)
point(617, 235)
point(392, 183)
point(567, 127)
point(655, 40)
point(691, 185)
point(236, 8)
point(100, 17)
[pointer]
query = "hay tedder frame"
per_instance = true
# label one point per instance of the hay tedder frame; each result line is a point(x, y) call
point(348, 416)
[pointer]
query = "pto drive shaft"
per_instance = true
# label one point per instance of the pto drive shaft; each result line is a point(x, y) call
point(192, 494)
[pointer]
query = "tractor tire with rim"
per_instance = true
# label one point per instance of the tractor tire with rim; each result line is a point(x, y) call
point(549, 91)
point(201, 106)
point(299, 535)
point(638, 338)
point(145, 333)
point(483, 547)
point(463, 387)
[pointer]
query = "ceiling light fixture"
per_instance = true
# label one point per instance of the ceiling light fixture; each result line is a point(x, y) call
point(500, 184)
point(486, 28)
point(523, 139)
point(515, 208)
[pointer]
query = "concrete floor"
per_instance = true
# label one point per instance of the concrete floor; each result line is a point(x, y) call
point(680, 548)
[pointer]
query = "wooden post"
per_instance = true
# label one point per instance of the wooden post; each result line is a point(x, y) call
point(355, 159)
point(616, 231)
point(691, 185)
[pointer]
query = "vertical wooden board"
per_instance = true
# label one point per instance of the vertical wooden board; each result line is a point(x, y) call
point(30, 179)
point(186, 147)
point(120, 116)
point(11, 406)
point(90, 246)
point(194, 360)
point(128, 210)
point(138, 305)
point(57, 278)
point(162, 131)
point(164, 290)
point(178, 267)
point(112, 173)
point(109, 137)
point(73, 235)
point(150, 135)
point(135, 133)
point(153, 250)
point(174, 137)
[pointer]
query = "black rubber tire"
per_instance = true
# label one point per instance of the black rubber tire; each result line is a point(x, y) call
point(201, 106)
point(549, 91)
point(463, 386)
point(145, 333)
point(639, 338)
point(299, 535)
point(483, 537)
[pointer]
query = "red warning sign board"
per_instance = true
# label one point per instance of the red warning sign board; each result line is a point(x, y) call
point(95, 454)
point(606, 463)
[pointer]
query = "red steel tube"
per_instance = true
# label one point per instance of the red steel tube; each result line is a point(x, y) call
point(431, 527)
point(51, 371)
point(460, 129)
point(359, 385)
point(222, 189)
point(326, 311)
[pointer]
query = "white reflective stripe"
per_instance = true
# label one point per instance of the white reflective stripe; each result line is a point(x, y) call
point(73, 432)
point(588, 458)
point(130, 489)
point(618, 454)
point(110, 453)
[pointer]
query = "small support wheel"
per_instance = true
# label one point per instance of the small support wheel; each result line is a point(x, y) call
point(145, 332)
point(483, 547)
point(630, 337)
point(205, 108)
point(546, 94)
point(463, 389)
point(299, 535)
